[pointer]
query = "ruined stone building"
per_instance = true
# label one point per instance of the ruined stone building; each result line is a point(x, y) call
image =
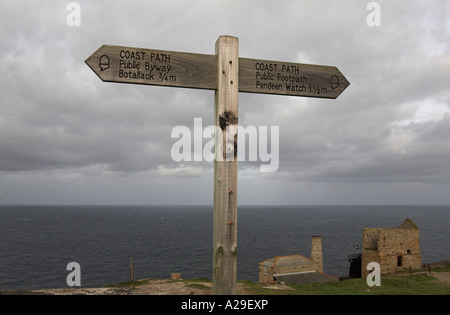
point(296, 268)
point(395, 249)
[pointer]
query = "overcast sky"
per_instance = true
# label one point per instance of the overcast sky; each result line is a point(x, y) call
point(66, 137)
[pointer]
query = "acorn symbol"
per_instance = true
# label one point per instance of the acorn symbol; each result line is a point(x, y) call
point(103, 62)
point(334, 82)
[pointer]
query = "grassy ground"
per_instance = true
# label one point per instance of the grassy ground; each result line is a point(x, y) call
point(417, 283)
point(398, 284)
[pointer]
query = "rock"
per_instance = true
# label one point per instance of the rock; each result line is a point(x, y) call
point(175, 276)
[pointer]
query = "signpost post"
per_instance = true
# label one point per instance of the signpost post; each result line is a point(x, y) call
point(228, 75)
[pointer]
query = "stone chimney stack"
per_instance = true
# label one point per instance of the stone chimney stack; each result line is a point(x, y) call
point(316, 251)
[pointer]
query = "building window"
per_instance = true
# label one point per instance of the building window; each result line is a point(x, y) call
point(399, 261)
point(408, 251)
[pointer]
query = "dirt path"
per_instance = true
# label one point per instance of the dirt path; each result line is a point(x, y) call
point(149, 287)
point(444, 277)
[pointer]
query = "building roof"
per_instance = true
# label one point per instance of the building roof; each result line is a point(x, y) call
point(408, 224)
point(286, 261)
point(305, 277)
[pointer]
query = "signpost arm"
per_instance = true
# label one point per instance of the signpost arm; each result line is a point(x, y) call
point(225, 167)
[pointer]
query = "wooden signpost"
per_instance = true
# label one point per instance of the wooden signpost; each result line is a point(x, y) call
point(154, 67)
point(295, 79)
point(228, 75)
point(199, 71)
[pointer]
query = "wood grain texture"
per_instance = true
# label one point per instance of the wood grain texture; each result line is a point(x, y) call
point(225, 167)
point(294, 79)
point(200, 71)
point(154, 67)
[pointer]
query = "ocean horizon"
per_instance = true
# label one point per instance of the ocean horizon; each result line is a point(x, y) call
point(37, 242)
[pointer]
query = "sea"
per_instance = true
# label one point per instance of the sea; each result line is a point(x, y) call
point(37, 243)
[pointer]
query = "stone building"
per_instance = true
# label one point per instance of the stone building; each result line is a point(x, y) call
point(395, 249)
point(296, 268)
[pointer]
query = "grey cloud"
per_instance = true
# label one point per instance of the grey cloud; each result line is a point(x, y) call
point(389, 127)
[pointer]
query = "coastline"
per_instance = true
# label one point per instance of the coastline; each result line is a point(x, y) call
point(201, 287)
